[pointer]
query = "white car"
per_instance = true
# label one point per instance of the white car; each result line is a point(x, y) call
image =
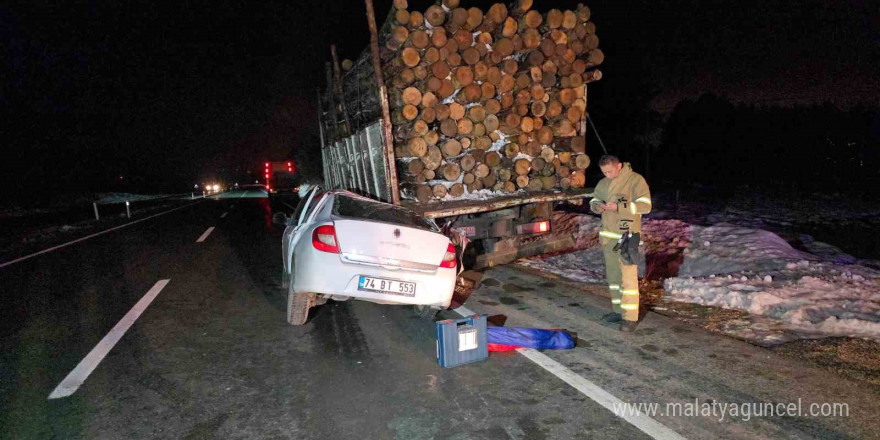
point(339, 245)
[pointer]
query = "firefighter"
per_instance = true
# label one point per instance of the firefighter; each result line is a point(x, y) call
point(621, 198)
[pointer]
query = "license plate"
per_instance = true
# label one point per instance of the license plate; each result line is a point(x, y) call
point(382, 285)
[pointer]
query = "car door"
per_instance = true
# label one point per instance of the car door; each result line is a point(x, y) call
point(294, 225)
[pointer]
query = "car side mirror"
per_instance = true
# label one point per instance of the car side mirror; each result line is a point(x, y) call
point(279, 218)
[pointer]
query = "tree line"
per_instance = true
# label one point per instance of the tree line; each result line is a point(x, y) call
point(713, 142)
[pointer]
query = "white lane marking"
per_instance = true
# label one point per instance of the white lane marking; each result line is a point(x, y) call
point(91, 236)
point(205, 235)
point(224, 215)
point(85, 367)
point(643, 422)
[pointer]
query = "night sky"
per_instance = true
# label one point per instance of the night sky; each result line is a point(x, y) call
point(148, 97)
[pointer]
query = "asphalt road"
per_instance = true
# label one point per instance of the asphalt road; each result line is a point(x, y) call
point(212, 356)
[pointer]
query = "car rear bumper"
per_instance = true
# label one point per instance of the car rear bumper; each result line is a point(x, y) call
point(326, 273)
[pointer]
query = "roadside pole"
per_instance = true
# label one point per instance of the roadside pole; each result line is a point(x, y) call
point(127, 211)
point(95, 205)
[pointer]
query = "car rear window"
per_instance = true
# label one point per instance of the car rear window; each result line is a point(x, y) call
point(367, 209)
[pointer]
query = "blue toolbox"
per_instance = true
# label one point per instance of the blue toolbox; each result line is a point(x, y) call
point(462, 341)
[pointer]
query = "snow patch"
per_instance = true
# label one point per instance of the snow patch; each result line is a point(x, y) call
point(500, 143)
point(747, 269)
point(817, 298)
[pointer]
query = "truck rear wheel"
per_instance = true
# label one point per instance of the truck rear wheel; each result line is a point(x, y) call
point(298, 305)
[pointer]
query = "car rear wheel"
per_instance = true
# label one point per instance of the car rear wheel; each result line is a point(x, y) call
point(298, 305)
point(426, 312)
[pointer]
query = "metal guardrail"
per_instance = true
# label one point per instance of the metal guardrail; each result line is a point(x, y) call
point(85, 211)
point(127, 203)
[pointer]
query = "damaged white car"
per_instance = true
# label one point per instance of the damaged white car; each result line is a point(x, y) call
point(339, 245)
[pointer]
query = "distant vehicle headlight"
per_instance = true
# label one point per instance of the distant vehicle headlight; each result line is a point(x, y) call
point(216, 187)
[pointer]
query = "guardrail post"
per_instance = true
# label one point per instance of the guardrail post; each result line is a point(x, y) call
point(127, 212)
point(95, 205)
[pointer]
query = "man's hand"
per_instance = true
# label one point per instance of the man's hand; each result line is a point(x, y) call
point(608, 206)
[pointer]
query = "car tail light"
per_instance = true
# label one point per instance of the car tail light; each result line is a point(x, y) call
point(324, 239)
point(449, 258)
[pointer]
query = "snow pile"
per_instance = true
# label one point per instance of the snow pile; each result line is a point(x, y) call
point(746, 269)
point(586, 231)
point(725, 248)
point(587, 266)
point(815, 298)
point(766, 276)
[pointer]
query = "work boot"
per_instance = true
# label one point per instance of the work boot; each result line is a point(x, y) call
point(612, 317)
point(628, 326)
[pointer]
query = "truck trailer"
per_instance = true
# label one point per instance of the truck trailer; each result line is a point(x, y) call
point(281, 178)
point(476, 119)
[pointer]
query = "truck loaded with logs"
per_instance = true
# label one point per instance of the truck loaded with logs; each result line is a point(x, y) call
point(474, 118)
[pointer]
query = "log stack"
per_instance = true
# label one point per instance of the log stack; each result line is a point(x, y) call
point(488, 100)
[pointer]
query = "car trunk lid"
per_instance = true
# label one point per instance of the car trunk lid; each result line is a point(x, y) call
point(390, 245)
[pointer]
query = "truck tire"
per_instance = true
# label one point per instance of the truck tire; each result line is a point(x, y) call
point(298, 305)
point(426, 312)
